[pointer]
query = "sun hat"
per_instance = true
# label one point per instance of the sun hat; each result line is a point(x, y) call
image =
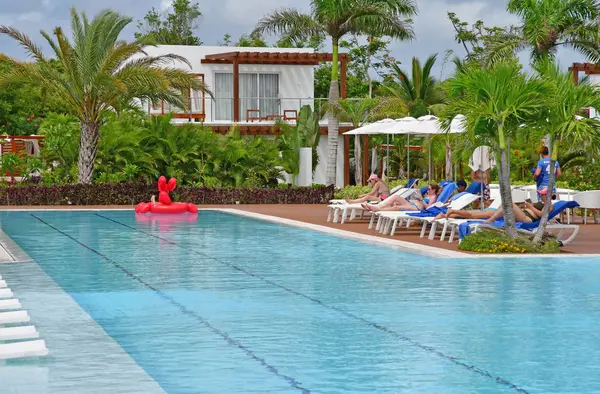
point(373, 177)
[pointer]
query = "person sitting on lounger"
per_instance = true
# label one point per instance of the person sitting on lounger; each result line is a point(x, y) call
point(529, 213)
point(379, 192)
point(416, 203)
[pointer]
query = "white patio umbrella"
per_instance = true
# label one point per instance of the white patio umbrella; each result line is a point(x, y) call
point(424, 126)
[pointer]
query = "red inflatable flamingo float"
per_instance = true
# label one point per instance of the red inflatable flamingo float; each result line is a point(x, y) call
point(165, 205)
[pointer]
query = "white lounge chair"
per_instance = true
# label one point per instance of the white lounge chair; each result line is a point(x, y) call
point(23, 349)
point(388, 221)
point(529, 229)
point(341, 201)
point(6, 305)
point(453, 224)
point(339, 212)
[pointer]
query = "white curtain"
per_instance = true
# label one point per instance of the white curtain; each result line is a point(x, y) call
point(268, 91)
point(223, 96)
point(248, 94)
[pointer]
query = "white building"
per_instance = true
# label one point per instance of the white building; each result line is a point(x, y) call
point(254, 87)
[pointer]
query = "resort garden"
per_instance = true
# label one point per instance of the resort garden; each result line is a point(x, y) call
point(100, 146)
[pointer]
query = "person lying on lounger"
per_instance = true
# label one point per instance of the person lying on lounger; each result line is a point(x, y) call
point(379, 192)
point(529, 213)
point(416, 203)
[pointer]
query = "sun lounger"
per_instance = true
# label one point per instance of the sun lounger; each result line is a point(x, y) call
point(411, 183)
point(16, 333)
point(5, 293)
point(3, 284)
point(23, 349)
point(529, 229)
point(340, 212)
point(388, 220)
point(453, 223)
point(11, 304)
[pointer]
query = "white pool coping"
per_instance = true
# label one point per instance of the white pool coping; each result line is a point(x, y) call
point(18, 255)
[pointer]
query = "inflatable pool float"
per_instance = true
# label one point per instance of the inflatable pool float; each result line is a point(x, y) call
point(164, 204)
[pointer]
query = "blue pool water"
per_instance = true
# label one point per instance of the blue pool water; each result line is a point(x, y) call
point(230, 304)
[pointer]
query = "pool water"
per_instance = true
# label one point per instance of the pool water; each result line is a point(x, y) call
point(232, 304)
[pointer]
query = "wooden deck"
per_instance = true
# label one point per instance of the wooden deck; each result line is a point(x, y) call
point(587, 241)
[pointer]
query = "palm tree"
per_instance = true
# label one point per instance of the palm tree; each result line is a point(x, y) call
point(562, 122)
point(99, 73)
point(496, 101)
point(418, 91)
point(356, 112)
point(335, 19)
point(547, 25)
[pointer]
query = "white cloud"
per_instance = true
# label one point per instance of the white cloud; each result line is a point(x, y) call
point(165, 4)
point(31, 17)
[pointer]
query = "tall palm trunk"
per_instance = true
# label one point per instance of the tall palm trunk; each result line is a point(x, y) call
point(448, 161)
point(551, 179)
point(87, 151)
point(332, 121)
point(357, 161)
point(505, 189)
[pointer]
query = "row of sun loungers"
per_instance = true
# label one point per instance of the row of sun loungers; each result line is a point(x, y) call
point(387, 222)
point(17, 338)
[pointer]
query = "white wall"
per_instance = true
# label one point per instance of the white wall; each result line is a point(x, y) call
point(320, 175)
point(295, 81)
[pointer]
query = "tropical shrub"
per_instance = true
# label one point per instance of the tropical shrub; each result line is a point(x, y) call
point(497, 242)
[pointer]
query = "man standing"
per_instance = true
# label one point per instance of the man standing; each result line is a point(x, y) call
point(542, 174)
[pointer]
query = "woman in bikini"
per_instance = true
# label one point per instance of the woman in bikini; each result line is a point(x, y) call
point(529, 213)
point(416, 203)
point(379, 192)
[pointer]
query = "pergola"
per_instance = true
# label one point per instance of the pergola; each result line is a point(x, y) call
point(285, 58)
point(588, 68)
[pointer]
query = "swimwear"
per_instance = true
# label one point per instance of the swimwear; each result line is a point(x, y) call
point(530, 215)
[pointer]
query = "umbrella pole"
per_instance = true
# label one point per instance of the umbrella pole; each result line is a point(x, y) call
point(408, 158)
point(480, 178)
point(429, 164)
point(387, 157)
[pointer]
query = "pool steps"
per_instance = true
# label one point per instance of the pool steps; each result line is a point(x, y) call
point(17, 341)
point(5, 293)
point(14, 333)
point(23, 349)
point(7, 305)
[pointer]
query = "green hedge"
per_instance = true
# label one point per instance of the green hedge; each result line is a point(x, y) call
point(133, 193)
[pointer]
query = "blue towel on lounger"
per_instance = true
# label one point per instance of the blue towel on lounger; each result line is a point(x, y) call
point(429, 212)
point(464, 228)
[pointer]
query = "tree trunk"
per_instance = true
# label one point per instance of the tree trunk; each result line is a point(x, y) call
point(357, 161)
point(505, 189)
point(506, 196)
point(448, 161)
point(551, 179)
point(87, 151)
point(332, 122)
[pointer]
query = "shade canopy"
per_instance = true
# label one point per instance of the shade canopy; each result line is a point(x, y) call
point(423, 126)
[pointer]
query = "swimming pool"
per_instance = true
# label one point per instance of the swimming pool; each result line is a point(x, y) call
point(231, 304)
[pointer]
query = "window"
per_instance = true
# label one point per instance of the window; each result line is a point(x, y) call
point(257, 91)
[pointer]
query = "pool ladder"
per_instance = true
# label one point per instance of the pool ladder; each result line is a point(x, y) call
point(16, 339)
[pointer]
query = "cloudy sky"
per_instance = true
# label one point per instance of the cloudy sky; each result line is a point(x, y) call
point(434, 33)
